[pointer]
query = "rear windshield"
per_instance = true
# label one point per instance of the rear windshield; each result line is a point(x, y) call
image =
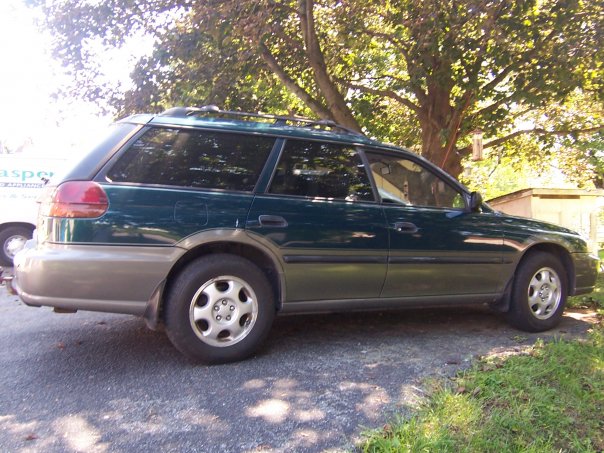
point(192, 158)
point(88, 166)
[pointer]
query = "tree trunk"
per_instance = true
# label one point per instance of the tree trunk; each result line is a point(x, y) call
point(434, 150)
point(438, 143)
point(336, 103)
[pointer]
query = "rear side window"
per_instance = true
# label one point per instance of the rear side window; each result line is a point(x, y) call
point(324, 170)
point(190, 158)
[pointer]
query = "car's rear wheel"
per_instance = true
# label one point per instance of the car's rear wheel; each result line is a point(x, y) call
point(219, 309)
point(12, 240)
point(539, 293)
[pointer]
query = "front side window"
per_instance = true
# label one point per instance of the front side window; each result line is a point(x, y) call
point(323, 170)
point(403, 181)
point(191, 158)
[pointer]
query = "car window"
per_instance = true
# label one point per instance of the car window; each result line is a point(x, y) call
point(403, 181)
point(190, 158)
point(325, 170)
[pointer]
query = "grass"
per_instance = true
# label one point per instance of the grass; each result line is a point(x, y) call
point(550, 399)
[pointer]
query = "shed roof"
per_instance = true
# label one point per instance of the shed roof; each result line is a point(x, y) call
point(548, 193)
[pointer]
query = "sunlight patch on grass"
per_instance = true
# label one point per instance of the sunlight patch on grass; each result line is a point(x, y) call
point(550, 399)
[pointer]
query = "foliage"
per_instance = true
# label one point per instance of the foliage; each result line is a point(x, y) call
point(524, 159)
point(583, 162)
point(548, 400)
point(515, 164)
point(422, 74)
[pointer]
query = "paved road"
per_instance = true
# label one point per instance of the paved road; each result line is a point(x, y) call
point(91, 382)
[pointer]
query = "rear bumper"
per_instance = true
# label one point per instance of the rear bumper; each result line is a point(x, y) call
point(116, 279)
point(586, 273)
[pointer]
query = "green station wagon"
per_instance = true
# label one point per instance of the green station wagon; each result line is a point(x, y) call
point(213, 222)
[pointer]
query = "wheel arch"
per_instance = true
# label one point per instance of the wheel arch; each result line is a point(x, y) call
point(27, 225)
point(263, 259)
point(557, 250)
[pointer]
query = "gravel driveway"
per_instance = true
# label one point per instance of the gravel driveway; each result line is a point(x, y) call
point(94, 382)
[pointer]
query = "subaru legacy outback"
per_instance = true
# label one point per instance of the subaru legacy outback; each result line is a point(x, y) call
point(213, 222)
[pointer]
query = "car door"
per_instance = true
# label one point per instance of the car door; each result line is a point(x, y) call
point(320, 214)
point(437, 246)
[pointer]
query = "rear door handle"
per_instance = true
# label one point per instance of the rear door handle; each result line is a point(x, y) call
point(275, 221)
point(406, 227)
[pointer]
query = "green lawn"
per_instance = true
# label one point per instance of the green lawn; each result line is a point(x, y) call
point(548, 400)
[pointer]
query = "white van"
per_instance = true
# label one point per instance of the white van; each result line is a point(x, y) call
point(22, 179)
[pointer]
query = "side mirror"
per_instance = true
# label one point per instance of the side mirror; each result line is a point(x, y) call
point(475, 202)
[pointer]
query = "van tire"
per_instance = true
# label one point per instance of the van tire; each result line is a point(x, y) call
point(12, 239)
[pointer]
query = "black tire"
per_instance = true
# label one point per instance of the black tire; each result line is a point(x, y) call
point(219, 309)
point(539, 293)
point(9, 236)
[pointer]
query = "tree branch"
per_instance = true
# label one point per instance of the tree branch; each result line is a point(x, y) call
point(522, 59)
point(387, 93)
point(334, 99)
point(417, 90)
point(473, 69)
point(387, 37)
point(294, 43)
point(455, 124)
point(492, 107)
point(537, 131)
point(500, 77)
point(291, 84)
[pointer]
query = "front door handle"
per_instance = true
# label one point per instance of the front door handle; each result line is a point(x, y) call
point(275, 221)
point(406, 227)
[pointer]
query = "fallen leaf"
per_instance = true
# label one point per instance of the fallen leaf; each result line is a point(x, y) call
point(387, 429)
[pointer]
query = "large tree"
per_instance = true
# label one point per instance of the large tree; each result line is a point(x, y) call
point(417, 73)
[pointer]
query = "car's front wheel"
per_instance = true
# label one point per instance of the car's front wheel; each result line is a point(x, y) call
point(219, 309)
point(539, 293)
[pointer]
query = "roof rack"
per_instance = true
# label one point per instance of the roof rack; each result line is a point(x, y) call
point(278, 119)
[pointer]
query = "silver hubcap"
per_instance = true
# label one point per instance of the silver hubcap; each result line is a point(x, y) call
point(13, 245)
point(544, 293)
point(223, 311)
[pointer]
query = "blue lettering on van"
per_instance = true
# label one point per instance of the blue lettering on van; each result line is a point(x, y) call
point(22, 185)
point(25, 175)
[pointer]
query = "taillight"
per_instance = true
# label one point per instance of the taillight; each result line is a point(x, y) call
point(76, 199)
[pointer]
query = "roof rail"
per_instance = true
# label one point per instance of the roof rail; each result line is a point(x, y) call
point(278, 119)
